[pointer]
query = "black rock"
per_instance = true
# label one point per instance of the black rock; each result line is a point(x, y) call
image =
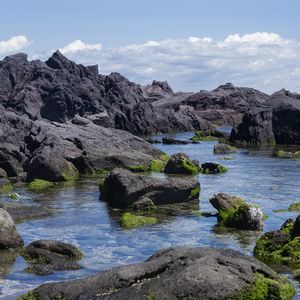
point(122, 188)
point(47, 256)
point(178, 273)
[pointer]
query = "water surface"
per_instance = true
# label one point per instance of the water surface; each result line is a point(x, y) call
point(83, 220)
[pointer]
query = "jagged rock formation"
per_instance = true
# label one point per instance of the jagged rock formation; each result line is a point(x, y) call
point(59, 89)
point(277, 121)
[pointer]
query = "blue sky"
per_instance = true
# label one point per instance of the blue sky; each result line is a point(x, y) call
point(113, 26)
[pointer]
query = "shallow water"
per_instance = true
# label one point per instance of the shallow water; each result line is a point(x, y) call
point(83, 220)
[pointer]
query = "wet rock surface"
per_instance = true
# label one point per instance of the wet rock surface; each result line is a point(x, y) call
point(177, 273)
point(235, 212)
point(47, 256)
point(9, 237)
point(122, 188)
point(277, 121)
point(180, 163)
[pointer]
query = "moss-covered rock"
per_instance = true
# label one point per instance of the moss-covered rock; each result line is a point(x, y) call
point(13, 196)
point(224, 149)
point(281, 247)
point(294, 207)
point(267, 288)
point(287, 154)
point(40, 185)
point(208, 135)
point(5, 187)
point(235, 212)
point(213, 168)
point(129, 220)
point(180, 163)
point(155, 165)
point(29, 296)
point(144, 204)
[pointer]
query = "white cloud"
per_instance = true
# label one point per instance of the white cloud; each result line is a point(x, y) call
point(262, 60)
point(79, 46)
point(14, 44)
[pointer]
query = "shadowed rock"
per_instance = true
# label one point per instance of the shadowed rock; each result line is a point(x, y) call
point(47, 256)
point(178, 273)
point(9, 237)
point(122, 188)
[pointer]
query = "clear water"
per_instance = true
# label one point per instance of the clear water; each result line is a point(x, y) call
point(83, 220)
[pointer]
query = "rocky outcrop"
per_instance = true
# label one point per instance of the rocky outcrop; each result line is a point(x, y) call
point(55, 151)
point(235, 212)
point(9, 237)
point(60, 90)
point(122, 188)
point(47, 256)
point(178, 273)
point(280, 247)
point(180, 163)
point(225, 104)
point(277, 122)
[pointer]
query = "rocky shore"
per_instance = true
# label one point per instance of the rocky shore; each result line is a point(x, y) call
point(60, 120)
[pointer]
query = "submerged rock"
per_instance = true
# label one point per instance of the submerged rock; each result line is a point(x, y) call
point(129, 220)
point(287, 154)
point(235, 212)
point(224, 149)
point(281, 247)
point(171, 141)
point(208, 135)
point(47, 256)
point(180, 163)
point(122, 188)
point(177, 273)
point(9, 237)
point(213, 168)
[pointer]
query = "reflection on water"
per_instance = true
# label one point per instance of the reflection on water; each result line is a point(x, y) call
point(83, 220)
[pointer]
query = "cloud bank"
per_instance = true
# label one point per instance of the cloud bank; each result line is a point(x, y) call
point(14, 44)
point(261, 60)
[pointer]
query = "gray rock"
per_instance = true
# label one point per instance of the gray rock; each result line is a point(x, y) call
point(47, 256)
point(9, 237)
point(224, 201)
point(224, 149)
point(122, 188)
point(178, 273)
point(181, 163)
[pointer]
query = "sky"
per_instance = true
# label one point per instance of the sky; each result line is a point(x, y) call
point(193, 44)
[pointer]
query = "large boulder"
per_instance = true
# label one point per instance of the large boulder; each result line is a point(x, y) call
point(276, 122)
point(281, 247)
point(181, 163)
point(122, 188)
point(9, 237)
point(47, 256)
point(177, 273)
point(235, 212)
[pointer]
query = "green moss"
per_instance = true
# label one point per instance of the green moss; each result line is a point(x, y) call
point(6, 188)
point(71, 174)
point(157, 165)
point(233, 217)
point(190, 167)
point(279, 210)
point(194, 193)
point(29, 296)
point(165, 157)
point(222, 169)
point(267, 288)
point(129, 220)
point(13, 196)
point(294, 207)
point(40, 184)
point(287, 154)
